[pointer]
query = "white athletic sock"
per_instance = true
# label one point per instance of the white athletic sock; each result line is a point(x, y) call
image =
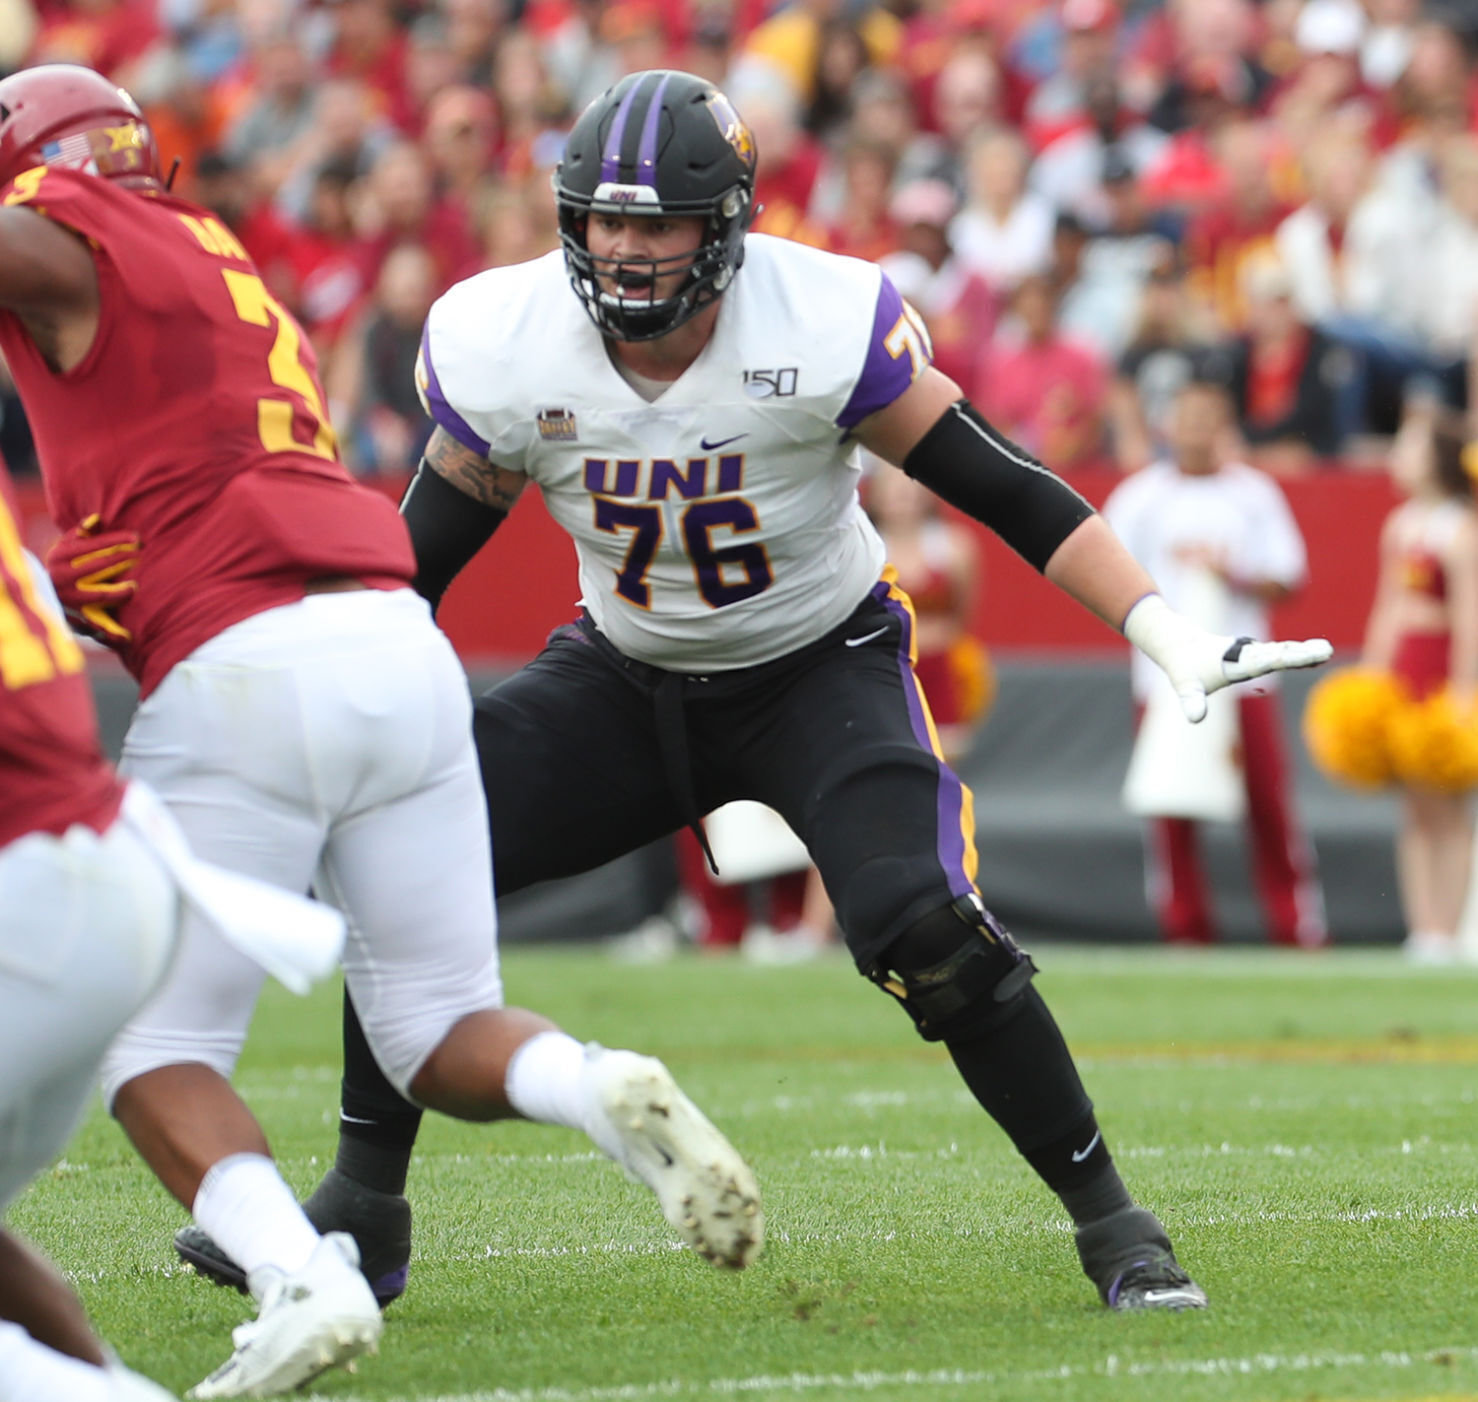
point(253, 1216)
point(30, 1371)
point(546, 1081)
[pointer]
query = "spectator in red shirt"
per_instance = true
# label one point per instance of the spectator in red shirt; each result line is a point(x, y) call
point(507, 226)
point(101, 34)
point(865, 228)
point(1045, 391)
point(228, 188)
point(473, 29)
point(1186, 176)
point(398, 205)
point(530, 107)
point(791, 160)
point(370, 44)
point(967, 100)
point(1238, 225)
point(461, 139)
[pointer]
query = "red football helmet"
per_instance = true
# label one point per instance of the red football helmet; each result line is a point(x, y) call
point(61, 114)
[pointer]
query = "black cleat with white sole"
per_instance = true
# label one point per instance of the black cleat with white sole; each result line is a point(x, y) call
point(380, 1224)
point(1128, 1256)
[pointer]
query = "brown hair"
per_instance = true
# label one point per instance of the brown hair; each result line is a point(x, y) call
point(1449, 451)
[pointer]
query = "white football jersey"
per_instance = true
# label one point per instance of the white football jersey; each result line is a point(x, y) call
point(718, 526)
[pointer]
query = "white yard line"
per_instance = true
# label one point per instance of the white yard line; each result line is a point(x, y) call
point(1435, 1212)
point(1255, 1365)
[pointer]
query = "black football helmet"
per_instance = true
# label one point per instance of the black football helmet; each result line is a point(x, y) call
point(659, 142)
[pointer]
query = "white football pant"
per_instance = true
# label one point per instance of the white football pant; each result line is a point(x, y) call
point(87, 924)
point(325, 743)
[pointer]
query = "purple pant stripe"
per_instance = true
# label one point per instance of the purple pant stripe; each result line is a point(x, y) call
point(951, 795)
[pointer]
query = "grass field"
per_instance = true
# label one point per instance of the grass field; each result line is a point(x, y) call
point(1306, 1126)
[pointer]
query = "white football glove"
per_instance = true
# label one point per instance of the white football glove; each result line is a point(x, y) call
point(1198, 662)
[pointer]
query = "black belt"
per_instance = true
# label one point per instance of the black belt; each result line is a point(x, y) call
point(665, 690)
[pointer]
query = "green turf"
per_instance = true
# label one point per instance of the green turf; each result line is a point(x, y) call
point(1306, 1125)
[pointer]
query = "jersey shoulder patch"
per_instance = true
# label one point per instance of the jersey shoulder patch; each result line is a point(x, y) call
point(484, 342)
point(862, 345)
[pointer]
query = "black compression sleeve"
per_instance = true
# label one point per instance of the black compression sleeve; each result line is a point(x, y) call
point(447, 528)
point(978, 469)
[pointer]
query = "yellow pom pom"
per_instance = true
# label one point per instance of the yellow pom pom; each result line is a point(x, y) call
point(1345, 726)
point(970, 666)
point(1434, 744)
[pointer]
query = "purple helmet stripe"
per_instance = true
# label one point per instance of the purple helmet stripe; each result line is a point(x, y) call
point(646, 156)
point(610, 161)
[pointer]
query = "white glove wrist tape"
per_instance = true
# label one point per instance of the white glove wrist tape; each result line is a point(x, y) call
point(1158, 631)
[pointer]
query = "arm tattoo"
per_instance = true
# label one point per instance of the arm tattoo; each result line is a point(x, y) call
point(470, 472)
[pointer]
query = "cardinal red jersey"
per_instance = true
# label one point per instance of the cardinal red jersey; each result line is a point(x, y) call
point(196, 420)
point(52, 771)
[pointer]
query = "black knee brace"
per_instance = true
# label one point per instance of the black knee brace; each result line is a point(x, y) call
point(956, 967)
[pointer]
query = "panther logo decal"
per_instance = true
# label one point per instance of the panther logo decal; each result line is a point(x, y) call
point(732, 127)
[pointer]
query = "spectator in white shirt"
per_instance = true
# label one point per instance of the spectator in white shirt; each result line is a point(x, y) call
point(1005, 231)
point(1354, 257)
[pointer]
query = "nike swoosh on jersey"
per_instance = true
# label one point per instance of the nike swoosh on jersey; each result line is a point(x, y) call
point(867, 638)
point(720, 443)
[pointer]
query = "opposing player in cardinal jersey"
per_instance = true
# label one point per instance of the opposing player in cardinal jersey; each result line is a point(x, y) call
point(300, 713)
point(689, 400)
point(88, 925)
point(93, 880)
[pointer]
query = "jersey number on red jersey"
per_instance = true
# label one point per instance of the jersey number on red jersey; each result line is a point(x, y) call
point(258, 307)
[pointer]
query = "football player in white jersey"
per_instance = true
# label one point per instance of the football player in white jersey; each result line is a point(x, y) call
point(689, 399)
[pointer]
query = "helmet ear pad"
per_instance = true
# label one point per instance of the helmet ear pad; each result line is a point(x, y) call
point(657, 143)
point(72, 118)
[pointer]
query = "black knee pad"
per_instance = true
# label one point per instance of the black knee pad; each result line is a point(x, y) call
point(955, 969)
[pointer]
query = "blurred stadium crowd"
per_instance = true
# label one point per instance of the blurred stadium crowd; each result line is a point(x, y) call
point(1085, 198)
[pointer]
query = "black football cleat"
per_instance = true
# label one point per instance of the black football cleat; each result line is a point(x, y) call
point(1154, 1285)
point(1129, 1258)
point(380, 1224)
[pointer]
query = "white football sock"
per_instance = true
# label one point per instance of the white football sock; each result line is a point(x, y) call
point(253, 1216)
point(30, 1371)
point(546, 1081)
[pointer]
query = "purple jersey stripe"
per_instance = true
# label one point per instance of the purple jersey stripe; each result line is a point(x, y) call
point(610, 162)
point(442, 411)
point(954, 807)
point(646, 155)
point(886, 372)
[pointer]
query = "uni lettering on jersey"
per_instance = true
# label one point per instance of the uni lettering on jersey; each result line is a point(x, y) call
point(657, 479)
